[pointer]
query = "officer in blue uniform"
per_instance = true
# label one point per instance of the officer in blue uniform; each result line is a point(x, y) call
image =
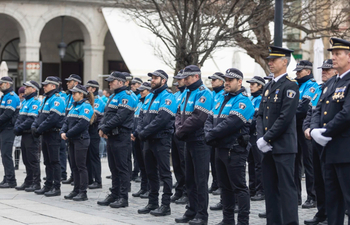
point(29, 144)
point(255, 155)
point(75, 130)
point(93, 162)
point(144, 90)
point(9, 108)
point(135, 84)
point(307, 90)
point(330, 129)
point(194, 109)
point(116, 125)
point(227, 130)
point(48, 123)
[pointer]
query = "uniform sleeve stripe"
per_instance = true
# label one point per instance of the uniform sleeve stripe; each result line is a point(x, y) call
point(206, 111)
point(167, 110)
point(10, 107)
point(58, 112)
point(239, 115)
point(126, 106)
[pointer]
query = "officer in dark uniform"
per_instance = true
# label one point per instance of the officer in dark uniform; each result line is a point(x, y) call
point(116, 125)
point(93, 162)
point(318, 162)
point(255, 155)
point(29, 144)
point(277, 139)
point(330, 129)
point(48, 123)
point(194, 109)
point(9, 107)
point(227, 129)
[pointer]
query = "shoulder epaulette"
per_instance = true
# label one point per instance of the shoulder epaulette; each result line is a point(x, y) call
point(313, 79)
point(57, 94)
point(201, 88)
point(128, 92)
point(244, 94)
point(63, 92)
point(291, 79)
point(169, 90)
point(36, 98)
point(11, 93)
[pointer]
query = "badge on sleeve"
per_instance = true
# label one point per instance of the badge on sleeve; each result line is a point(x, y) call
point(291, 93)
point(96, 105)
point(202, 99)
point(34, 107)
point(167, 101)
point(9, 101)
point(125, 101)
point(86, 111)
point(312, 90)
point(242, 106)
point(56, 103)
point(217, 105)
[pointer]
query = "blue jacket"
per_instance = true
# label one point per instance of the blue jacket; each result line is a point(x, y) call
point(178, 95)
point(229, 120)
point(307, 91)
point(63, 95)
point(68, 102)
point(9, 108)
point(137, 115)
point(77, 122)
point(29, 110)
point(99, 108)
point(119, 112)
point(157, 115)
point(217, 92)
point(255, 99)
point(194, 108)
point(51, 113)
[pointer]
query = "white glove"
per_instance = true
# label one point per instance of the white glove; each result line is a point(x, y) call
point(263, 145)
point(316, 134)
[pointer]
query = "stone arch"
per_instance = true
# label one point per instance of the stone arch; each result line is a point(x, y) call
point(20, 20)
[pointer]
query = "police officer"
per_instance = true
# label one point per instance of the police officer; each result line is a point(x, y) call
point(191, 116)
point(276, 133)
point(144, 90)
point(93, 162)
point(116, 125)
point(9, 108)
point(47, 123)
point(227, 129)
point(330, 129)
point(318, 162)
point(307, 90)
point(29, 144)
point(75, 130)
point(255, 155)
point(135, 84)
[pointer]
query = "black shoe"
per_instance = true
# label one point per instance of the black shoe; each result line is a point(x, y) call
point(8, 185)
point(145, 195)
point(72, 183)
point(161, 183)
point(217, 192)
point(53, 192)
point(309, 204)
point(163, 210)
point(314, 221)
point(211, 189)
point(148, 208)
point(174, 198)
point(22, 187)
point(182, 201)
point(299, 201)
point(140, 192)
point(108, 200)
point(109, 177)
point(138, 179)
point(223, 223)
point(80, 197)
point(120, 203)
point(184, 219)
point(44, 178)
point(258, 197)
point(197, 221)
point(2, 182)
point(70, 180)
point(218, 206)
point(262, 215)
point(33, 187)
point(42, 190)
point(95, 185)
point(71, 195)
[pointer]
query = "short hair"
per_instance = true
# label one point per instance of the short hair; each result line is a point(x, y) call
point(288, 59)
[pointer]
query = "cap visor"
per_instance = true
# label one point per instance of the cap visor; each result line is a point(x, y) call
point(151, 74)
point(74, 90)
point(298, 69)
point(141, 88)
point(273, 57)
point(250, 81)
point(109, 79)
point(44, 83)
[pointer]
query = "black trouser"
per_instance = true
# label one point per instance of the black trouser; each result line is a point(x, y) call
point(141, 162)
point(214, 183)
point(281, 197)
point(337, 187)
point(157, 159)
point(6, 140)
point(178, 160)
point(51, 142)
point(136, 170)
point(31, 158)
point(197, 158)
point(318, 165)
point(254, 168)
point(93, 161)
point(78, 149)
point(304, 155)
point(117, 150)
point(63, 159)
point(230, 165)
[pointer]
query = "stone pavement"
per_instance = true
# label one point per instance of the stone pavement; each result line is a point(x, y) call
point(19, 207)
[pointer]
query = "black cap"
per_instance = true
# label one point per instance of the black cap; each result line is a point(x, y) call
point(327, 64)
point(190, 70)
point(217, 75)
point(144, 86)
point(74, 77)
point(59, 79)
point(269, 77)
point(338, 43)
point(116, 75)
point(179, 74)
point(79, 88)
point(127, 75)
point(92, 83)
point(159, 73)
point(278, 52)
point(136, 80)
point(32, 84)
point(257, 79)
point(303, 64)
point(6, 80)
point(233, 73)
point(51, 80)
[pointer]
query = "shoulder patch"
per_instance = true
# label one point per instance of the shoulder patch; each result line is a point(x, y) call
point(34, 107)
point(57, 94)
point(312, 90)
point(201, 88)
point(291, 93)
point(9, 101)
point(128, 92)
point(242, 105)
point(125, 101)
point(96, 105)
point(56, 103)
point(86, 111)
point(202, 99)
point(167, 101)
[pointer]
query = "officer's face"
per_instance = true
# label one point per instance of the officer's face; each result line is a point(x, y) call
point(327, 74)
point(115, 84)
point(77, 96)
point(181, 82)
point(28, 90)
point(4, 86)
point(254, 87)
point(49, 87)
point(232, 84)
point(144, 93)
point(341, 60)
point(216, 83)
point(134, 86)
point(91, 89)
point(302, 73)
point(191, 79)
point(156, 82)
point(70, 84)
point(278, 66)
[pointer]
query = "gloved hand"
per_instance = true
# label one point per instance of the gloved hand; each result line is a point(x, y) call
point(17, 132)
point(35, 133)
point(263, 145)
point(316, 134)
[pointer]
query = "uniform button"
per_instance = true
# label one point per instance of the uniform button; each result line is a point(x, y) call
point(325, 113)
point(324, 124)
point(337, 100)
point(327, 102)
point(265, 128)
point(268, 107)
point(267, 117)
point(268, 97)
point(269, 140)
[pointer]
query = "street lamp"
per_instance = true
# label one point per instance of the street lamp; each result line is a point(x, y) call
point(62, 46)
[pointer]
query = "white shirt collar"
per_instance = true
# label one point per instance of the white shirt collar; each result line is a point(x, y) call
point(341, 76)
point(279, 77)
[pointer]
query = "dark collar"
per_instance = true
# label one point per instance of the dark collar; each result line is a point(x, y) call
point(80, 102)
point(95, 93)
point(218, 89)
point(236, 93)
point(142, 99)
point(195, 85)
point(137, 92)
point(304, 79)
point(116, 91)
point(257, 93)
point(7, 90)
point(30, 96)
point(160, 89)
point(50, 93)
point(181, 89)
